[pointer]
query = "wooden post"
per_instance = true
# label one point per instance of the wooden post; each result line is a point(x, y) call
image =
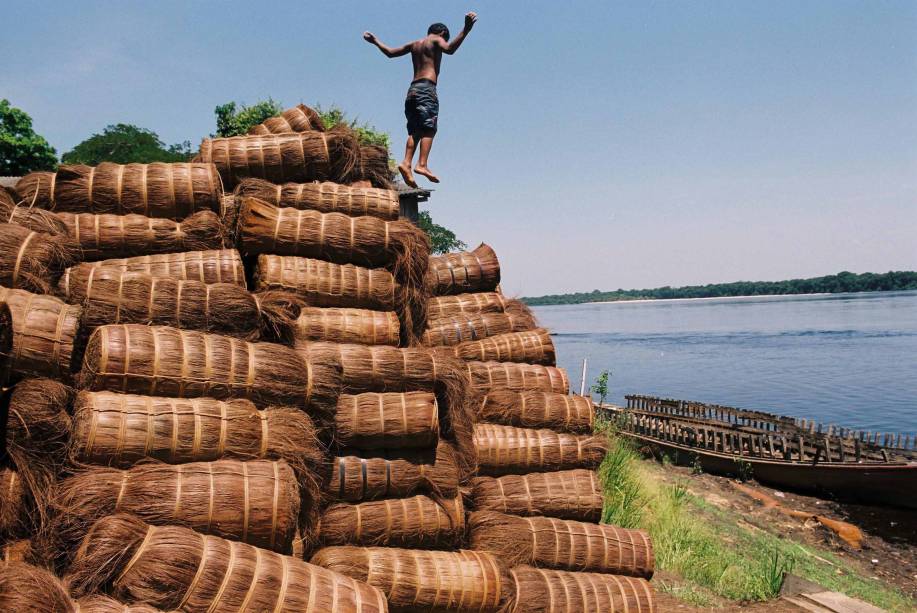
point(582, 383)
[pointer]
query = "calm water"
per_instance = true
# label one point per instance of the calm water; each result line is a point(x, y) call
point(847, 359)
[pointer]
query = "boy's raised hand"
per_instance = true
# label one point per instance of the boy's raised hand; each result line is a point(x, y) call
point(369, 37)
point(470, 20)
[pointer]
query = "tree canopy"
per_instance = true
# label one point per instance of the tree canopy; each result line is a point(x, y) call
point(22, 150)
point(830, 284)
point(442, 239)
point(123, 144)
point(237, 119)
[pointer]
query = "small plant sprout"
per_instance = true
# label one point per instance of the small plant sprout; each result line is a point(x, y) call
point(601, 386)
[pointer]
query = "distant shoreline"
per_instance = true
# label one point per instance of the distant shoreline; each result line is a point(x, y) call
point(632, 300)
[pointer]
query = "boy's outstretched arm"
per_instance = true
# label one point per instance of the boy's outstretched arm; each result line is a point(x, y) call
point(388, 51)
point(452, 46)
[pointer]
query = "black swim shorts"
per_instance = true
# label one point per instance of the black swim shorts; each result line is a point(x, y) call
point(421, 107)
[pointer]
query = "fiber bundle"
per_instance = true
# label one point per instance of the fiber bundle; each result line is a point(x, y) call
point(532, 347)
point(387, 420)
point(514, 376)
point(23, 215)
point(455, 329)
point(535, 409)
point(505, 449)
point(444, 307)
point(548, 591)
point(345, 325)
point(31, 260)
point(465, 271)
point(300, 118)
point(325, 197)
point(567, 494)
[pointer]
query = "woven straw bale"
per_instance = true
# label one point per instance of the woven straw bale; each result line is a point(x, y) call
point(506, 449)
point(455, 329)
point(534, 409)
point(389, 420)
point(487, 377)
point(464, 271)
point(552, 591)
point(566, 494)
point(418, 521)
point(346, 325)
point(299, 118)
point(475, 303)
point(47, 339)
point(531, 346)
point(325, 197)
point(562, 544)
point(425, 580)
point(171, 567)
point(31, 260)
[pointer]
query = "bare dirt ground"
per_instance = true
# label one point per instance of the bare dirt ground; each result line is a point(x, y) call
point(889, 547)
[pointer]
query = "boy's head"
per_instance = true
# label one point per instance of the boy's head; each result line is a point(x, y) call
point(439, 29)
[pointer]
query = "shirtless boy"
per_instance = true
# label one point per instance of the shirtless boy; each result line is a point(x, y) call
point(421, 106)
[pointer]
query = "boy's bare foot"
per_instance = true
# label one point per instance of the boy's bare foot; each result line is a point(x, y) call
point(407, 175)
point(424, 171)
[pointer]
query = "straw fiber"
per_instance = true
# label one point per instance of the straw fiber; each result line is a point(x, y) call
point(464, 328)
point(106, 236)
point(38, 220)
point(16, 551)
point(300, 118)
point(16, 506)
point(172, 191)
point(344, 325)
point(163, 361)
point(379, 368)
point(103, 604)
point(387, 420)
point(534, 409)
point(117, 297)
point(398, 246)
point(556, 591)
point(464, 271)
point(418, 522)
point(26, 588)
point(47, 340)
point(444, 307)
point(214, 266)
point(425, 580)
point(31, 260)
point(122, 429)
point(175, 568)
point(562, 544)
point(531, 346)
point(506, 449)
point(395, 473)
point(566, 494)
point(325, 197)
point(255, 502)
point(487, 377)
point(308, 156)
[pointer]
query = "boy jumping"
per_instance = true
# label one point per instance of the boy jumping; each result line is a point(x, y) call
point(421, 106)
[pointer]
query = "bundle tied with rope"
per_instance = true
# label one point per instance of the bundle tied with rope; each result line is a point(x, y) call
point(174, 568)
point(31, 260)
point(475, 303)
point(462, 328)
point(23, 215)
point(47, 337)
point(536, 409)
point(211, 266)
point(325, 197)
point(464, 271)
point(379, 368)
point(388, 420)
point(531, 347)
point(562, 544)
point(441, 581)
point(565, 494)
point(373, 167)
point(281, 158)
point(397, 473)
point(547, 591)
point(24, 587)
point(417, 522)
point(106, 236)
point(99, 603)
point(487, 377)
point(255, 502)
point(169, 190)
point(347, 325)
point(117, 297)
point(164, 361)
point(507, 449)
point(299, 118)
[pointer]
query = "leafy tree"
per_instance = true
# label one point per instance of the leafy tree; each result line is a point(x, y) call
point(366, 133)
point(123, 144)
point(601, 386)
point(233, 120)
point(442, 239)
point(21, 149)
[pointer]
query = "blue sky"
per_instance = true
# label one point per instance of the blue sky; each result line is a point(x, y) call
point(593, 144)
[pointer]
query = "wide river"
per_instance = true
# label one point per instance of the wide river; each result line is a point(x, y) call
point(846, 359)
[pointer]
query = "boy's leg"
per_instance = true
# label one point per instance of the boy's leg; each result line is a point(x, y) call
point(426, 143)
point(405, 167)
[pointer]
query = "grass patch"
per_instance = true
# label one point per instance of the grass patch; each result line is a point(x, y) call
point(712, 550)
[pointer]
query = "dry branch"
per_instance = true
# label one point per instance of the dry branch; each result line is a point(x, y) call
point(300, 118)
point(464, 271)
point(562, 544)
point(549, 591)
point(533, 409)
point(506, 449)
point(387, 420)
point(566, 494)
point(325, 197)
point(107, 236)
point(419, 522)
point(344, 325)
point(462, 581)
point(175, 568)
point(31, 260)
point(487, 377)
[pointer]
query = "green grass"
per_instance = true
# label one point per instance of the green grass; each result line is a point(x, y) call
point(715, 553)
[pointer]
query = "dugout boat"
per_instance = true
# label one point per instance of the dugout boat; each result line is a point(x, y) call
point(783, 452)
